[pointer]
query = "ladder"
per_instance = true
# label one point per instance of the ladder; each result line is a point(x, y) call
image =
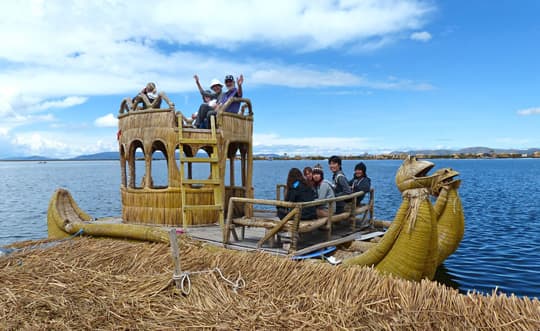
point(214, 181)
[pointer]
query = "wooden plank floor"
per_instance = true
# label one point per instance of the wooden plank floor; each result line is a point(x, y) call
point(214, 234)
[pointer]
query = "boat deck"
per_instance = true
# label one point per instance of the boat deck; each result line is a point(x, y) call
point(213, 234)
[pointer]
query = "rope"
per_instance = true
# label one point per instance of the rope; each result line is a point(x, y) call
point(185, 281)
point(415, 197)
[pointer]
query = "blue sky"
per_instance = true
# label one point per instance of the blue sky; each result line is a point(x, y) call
point(325, 77)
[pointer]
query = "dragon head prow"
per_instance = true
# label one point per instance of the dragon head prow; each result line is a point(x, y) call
point(445, 178)
point(413, 173)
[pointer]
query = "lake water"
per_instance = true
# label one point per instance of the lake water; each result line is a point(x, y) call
point(501, 246)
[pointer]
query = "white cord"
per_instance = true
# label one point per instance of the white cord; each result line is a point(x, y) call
point(185, 281)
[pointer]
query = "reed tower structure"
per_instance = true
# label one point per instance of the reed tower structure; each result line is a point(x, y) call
point(183, 198)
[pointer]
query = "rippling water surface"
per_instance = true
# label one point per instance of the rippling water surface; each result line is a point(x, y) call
point(500, 198)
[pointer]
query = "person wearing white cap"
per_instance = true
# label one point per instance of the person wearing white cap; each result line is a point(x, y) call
point(204, 108)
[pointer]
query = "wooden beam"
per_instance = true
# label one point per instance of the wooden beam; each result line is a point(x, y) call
point(277, 227)
point(325, 244)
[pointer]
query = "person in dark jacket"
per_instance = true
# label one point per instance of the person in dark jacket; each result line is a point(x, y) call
point(360, 181)
point(341, 184)
point(298, 190)
point(308, 175)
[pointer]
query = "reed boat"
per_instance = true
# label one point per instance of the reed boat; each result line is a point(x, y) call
point(221, 209)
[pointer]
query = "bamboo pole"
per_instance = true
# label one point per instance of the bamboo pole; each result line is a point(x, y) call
point(331, 208)
point(294, 230)
point(325, 244)
point(227, 234)
point(176, 258)
point(352, 217)
point(288, 204)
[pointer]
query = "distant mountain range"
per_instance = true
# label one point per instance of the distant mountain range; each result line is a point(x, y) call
point(469, 150)
point(115, 155)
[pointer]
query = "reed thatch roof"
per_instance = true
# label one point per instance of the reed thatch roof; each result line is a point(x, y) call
point(112, 284)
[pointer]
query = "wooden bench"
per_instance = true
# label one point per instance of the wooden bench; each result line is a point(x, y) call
point(291, 222)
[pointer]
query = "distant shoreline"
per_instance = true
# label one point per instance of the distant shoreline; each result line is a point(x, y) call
point(308, 158)
point(463, 153)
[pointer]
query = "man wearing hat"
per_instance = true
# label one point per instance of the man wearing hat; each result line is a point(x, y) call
point(206, 106)
point(232, 92)
point(360, 181)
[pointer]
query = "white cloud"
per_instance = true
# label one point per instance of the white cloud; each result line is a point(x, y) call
point(301, 24)
point(97, 57)
point(36, 144)
point(108, 120)
point(51, 60)
point(273, 143)
point(421, 36)
point(64, 103)
point(61, 145)
point(529, 111)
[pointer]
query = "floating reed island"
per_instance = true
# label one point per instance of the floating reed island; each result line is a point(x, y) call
point(88, 283)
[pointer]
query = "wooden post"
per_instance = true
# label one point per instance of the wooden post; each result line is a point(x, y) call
point(352, 216)
point(176, 258)
point(294, 229)
point(331, 207)
point(228, 221)
point(248, 210)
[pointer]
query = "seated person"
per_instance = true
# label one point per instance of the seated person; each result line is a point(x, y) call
point(341, 184)
point(148, 97)
point(308, 175)
point(360, 181)
point(232, 92)
point(216, 93)
point(297, 190)
point(323, 188)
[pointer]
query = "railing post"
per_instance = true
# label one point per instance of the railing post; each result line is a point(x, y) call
point(331, 207)
point(294, 229)
point(353, 214)
point(227, 229)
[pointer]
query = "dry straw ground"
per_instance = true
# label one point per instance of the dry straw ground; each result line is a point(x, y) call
point(112, 284)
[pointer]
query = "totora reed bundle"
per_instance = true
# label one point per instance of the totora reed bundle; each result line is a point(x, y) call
point(112, 284)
